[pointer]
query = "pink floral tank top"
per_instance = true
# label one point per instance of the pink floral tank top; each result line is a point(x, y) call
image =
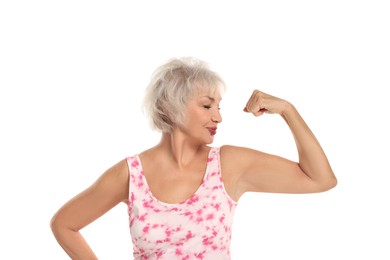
point(198, 228)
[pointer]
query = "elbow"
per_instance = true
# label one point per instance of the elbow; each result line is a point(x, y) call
point(57, 225)
point(60, 225)
point(329, 184)
point(332, 184)
point(54, 225)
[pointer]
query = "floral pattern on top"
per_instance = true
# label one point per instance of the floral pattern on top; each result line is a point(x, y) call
point(197, 228)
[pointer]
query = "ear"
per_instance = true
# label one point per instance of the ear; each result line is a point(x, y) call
point(165, 114)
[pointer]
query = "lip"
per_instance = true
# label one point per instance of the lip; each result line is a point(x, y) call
point(212, 130)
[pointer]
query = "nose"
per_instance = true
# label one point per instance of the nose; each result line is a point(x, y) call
point(217, 118)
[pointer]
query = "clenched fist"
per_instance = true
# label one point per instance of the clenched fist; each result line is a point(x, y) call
point(260, 103)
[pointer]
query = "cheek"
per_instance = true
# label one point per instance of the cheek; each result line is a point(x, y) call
point(195, 114)
point(203, 117)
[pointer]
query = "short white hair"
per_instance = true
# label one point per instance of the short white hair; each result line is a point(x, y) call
point(171, 85)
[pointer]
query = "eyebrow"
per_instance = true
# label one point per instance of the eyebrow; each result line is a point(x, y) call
point(211, 98)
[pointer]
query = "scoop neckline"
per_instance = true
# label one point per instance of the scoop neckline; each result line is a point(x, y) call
point(184, 202)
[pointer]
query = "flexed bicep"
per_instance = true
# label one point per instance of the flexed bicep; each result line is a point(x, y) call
point(257, 171)
point(275, 174)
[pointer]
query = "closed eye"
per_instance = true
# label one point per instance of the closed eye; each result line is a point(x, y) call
point(209, 107)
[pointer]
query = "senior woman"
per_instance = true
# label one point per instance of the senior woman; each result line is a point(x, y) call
point(182, 193)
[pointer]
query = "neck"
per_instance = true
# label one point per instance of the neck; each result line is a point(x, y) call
point(181, 150)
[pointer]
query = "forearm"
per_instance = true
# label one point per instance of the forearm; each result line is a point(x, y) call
point(73, 244)
point(312, 158)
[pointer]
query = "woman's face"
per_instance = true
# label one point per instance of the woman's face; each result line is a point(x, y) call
point(201, 117)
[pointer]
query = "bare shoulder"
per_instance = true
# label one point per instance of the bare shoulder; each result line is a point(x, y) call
point(239, 155)
point(115, 180)
point(233, 149)
point(230, 151)
point(235, 161)
point(118, 171)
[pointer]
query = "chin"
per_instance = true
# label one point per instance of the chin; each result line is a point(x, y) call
point(210, 141)
point(205, 142)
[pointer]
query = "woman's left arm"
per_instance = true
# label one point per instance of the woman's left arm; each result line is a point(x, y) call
point(270, 173)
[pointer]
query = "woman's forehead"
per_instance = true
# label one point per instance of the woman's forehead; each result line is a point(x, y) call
point(214, 96)
point(207, 90)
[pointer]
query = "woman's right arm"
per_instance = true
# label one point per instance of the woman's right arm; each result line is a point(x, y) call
point(111, 188)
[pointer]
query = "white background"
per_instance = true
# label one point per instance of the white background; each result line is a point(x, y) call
point(72, 78)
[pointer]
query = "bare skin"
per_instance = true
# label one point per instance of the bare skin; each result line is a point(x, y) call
point(181, 156)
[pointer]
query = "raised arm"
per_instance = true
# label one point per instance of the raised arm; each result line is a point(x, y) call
point(110, 189)
point(258, 171)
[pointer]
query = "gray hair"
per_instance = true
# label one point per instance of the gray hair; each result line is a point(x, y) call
point(171, 85)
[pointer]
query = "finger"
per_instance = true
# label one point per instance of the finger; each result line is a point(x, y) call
point(256, 112)
point(250, 100)
point(253, 102)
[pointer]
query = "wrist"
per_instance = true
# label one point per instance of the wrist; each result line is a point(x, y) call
point(287, 109)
